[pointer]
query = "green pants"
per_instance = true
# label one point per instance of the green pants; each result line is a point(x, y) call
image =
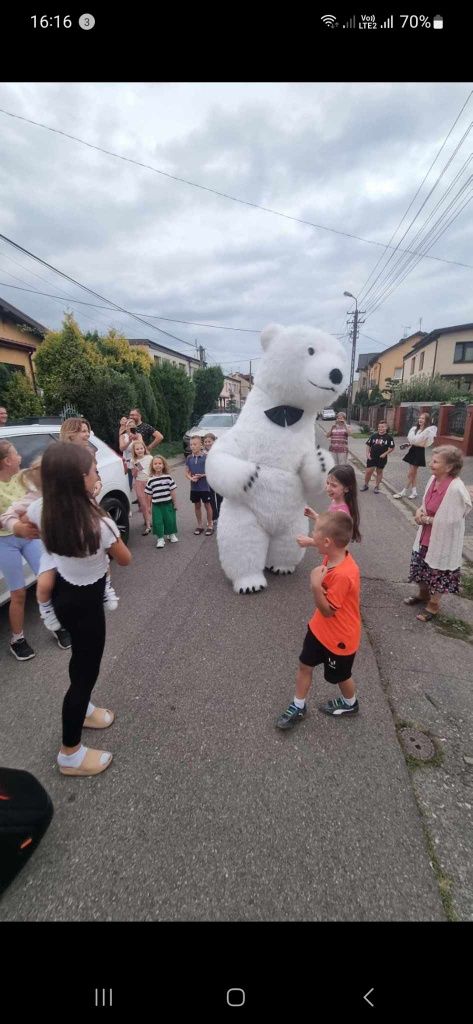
point(164, 519)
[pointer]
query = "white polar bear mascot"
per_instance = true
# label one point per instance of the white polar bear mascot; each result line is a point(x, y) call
point(267, 467)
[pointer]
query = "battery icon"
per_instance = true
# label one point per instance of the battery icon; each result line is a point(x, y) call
point(438, 21)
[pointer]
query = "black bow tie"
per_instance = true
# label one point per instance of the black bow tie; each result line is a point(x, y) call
point(284, 415)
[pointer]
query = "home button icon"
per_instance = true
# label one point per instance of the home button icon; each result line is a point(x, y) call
point(236, 997)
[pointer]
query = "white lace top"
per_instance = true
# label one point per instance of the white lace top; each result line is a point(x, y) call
point(81, 571)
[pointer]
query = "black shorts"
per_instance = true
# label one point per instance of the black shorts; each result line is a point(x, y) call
point(204, 496)
point(337, 667)
point(376, 463)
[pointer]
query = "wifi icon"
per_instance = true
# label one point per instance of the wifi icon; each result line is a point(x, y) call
point(328, 20)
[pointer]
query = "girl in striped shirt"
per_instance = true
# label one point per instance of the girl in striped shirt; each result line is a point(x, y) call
point(161, 491)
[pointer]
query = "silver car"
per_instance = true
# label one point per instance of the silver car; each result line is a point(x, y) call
point(212, 423)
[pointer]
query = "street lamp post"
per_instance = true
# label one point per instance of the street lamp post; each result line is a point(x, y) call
point(353, 352)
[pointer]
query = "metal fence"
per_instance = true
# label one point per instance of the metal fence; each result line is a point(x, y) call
point(457, 420)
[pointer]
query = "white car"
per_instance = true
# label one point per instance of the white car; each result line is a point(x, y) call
point(328, 414)
point(32, 439)
point(212, 423)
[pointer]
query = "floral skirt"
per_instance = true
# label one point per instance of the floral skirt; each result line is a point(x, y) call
point(438, 581)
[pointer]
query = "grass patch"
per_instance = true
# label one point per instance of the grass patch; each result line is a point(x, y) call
point(169, 449)
point(447, 625)
point(445, 884)
point(466, 589)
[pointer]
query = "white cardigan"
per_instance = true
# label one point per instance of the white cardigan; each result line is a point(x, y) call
point(448, 528)
point(423, 438)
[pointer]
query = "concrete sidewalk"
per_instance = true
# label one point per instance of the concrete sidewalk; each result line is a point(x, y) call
point(426, 676)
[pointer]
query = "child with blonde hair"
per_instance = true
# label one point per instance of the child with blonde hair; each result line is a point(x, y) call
point(140, 468)
point(161, 489)
point(30, 479)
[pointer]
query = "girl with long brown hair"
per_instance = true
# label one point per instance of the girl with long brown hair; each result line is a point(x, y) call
point(80, 536)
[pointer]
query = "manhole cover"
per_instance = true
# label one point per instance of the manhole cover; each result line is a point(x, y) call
point(417, 744)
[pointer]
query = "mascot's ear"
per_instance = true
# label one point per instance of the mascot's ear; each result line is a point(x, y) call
point(268, 333)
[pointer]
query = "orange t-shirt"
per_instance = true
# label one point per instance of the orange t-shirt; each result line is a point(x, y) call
point(341, 632)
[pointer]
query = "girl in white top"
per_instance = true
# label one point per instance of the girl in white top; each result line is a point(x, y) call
point(80, 537)
point(141, 469)
point(126, 434)
point(419, 438)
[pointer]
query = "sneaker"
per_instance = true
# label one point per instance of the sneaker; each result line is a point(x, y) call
point(413, 493)
point(364, 488)
point(63, 639)
point(160, 542)
point(402, 494)
point(49, 618)
point(337, 707)
point(110, 598)
point(376, 490)
point(146, 530)
point(291, 716)
point(22, 650)
point(174, 538)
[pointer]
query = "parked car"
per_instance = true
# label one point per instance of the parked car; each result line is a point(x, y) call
point(31, 439)
point(328, 414)
point(212, 423)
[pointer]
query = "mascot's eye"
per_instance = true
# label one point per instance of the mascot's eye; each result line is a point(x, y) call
point(311, 351)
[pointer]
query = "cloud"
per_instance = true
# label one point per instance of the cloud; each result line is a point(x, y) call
point(347, 155)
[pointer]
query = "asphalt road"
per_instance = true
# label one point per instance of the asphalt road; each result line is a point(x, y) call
point(207, 812)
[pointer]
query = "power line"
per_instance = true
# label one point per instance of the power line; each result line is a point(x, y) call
point(382, 286)
point(153, 316)
point(417, 193)
point(222, 195)
point(113, 305)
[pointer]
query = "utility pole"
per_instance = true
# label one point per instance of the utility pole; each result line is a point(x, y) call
point(354, 337)
point(249, 382)
point(202, 356)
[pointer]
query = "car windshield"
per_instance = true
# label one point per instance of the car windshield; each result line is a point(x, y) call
point(218, 420)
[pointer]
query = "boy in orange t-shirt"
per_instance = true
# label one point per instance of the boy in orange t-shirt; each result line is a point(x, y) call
point(333, 634)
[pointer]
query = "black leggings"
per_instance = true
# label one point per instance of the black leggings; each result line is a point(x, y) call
point(80, 610)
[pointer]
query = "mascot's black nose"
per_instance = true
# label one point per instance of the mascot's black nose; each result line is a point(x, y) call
point(336, 376)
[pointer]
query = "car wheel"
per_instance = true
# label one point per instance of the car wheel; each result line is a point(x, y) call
point(117, 511)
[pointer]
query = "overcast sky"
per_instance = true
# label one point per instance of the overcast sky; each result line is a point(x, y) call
point(347, 156)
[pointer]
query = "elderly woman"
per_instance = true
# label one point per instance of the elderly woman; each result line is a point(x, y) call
point(338, 436)
point(437, 553)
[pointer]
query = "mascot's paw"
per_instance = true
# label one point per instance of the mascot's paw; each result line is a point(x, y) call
point(251, 480)
point(250, 584)
point(280, 570)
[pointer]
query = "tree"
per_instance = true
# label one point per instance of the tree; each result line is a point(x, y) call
point(178, 391)
point(208, 385)
point(65, 365)
point(21, 398)
point(162, 421)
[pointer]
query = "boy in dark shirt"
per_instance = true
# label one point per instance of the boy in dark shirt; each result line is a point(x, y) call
point(200, 493)
point(378, 446)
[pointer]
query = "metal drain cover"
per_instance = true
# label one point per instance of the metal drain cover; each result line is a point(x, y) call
point(417, 744)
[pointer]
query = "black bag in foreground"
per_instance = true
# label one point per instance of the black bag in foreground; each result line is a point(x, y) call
point(25, 813)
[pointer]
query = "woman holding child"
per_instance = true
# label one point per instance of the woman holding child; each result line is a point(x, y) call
point(437, 553)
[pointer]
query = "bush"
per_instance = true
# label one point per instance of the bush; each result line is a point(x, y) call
point(432, 389)
point(178, 390)
point(21, 398)
point(208, 385)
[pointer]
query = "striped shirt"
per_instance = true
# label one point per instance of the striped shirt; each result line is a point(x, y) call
point(160, 487)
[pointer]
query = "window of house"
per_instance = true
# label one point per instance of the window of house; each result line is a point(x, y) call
point(421, 363)
point(397, 375)
point(413, 364)
point(463, 352)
